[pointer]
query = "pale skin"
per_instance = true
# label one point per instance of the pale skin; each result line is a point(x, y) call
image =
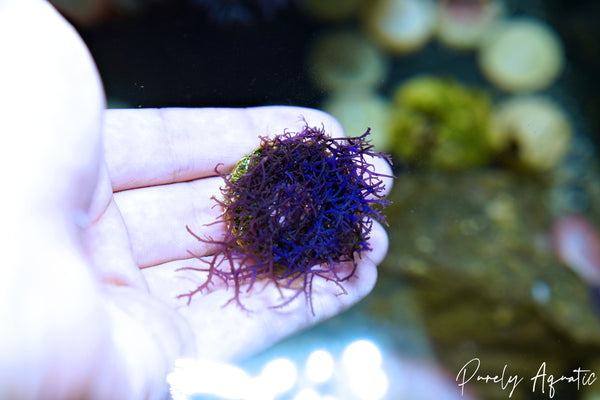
point(94, 211)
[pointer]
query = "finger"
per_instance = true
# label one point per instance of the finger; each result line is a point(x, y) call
point(160, 146)
point(179, 281)
point(384, 171)
point(234, 333)
point(156, 218)
point(379, 241)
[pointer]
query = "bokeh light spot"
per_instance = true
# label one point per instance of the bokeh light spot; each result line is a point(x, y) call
point(281, 374)
point(319, 366)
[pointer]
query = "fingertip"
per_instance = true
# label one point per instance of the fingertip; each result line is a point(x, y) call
point(367, 276)
point(379, 242)
point(384, 169)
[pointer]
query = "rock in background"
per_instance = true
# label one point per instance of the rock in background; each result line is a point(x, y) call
point(474, 251)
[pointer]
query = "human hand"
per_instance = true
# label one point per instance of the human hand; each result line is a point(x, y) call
point(162, 162)
point(94, 227)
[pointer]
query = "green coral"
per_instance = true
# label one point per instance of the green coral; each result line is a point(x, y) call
point(441, 123)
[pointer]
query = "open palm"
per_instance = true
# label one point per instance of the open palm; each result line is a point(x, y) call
point(161, 163)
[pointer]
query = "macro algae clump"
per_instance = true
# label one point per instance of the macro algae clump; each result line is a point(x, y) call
point(442, 124)
point(296, 208)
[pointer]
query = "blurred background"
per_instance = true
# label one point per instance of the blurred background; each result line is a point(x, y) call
point(489, 109)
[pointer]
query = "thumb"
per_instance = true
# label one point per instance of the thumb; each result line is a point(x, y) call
point(63, 334)
point(50, 95)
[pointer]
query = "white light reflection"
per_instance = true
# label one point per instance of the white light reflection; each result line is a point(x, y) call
point(362, 365)
point(359, 369)
point(307, 394)
point(192, 377)
point(319, 366)
point(259, 389)
point(370, 384)
point(281, 374)
point(360, 355)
